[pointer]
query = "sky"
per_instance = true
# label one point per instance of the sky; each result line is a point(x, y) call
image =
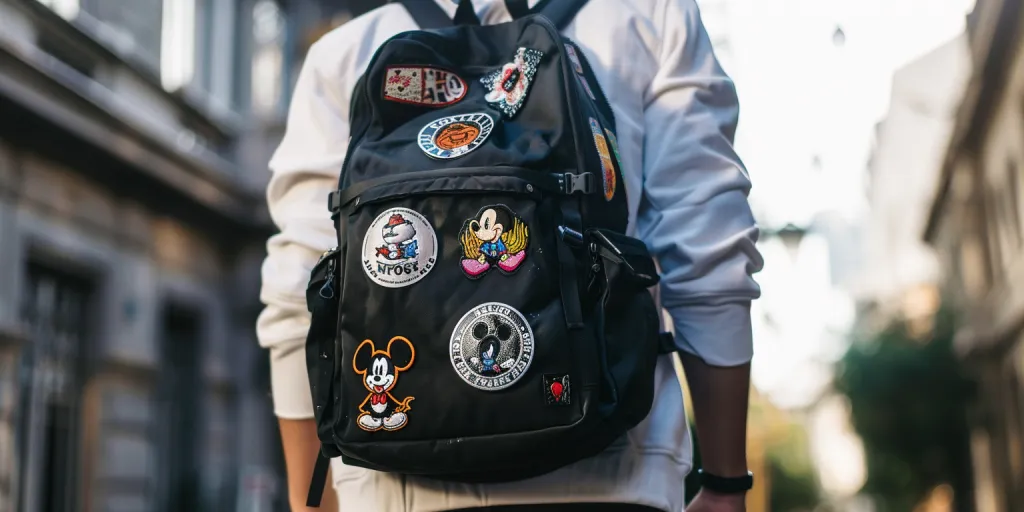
point(808, 110)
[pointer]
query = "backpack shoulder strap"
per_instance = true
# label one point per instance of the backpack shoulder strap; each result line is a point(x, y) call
point(429, 15)
point(560, 12)
point(426, 13)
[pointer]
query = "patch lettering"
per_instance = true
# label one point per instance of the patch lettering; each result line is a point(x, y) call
point(492, 346)
point(575, 59)
point(423, 86)
point(606, 159)
point(508, 86)
point(494, 238)
point(455, 136)
point(556, 389)
point(615, 148)
point(586, 87)
point(379, 370)
point(399, 248)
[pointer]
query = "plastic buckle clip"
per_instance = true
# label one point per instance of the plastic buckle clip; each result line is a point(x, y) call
point(334, 201)
point(572, 183)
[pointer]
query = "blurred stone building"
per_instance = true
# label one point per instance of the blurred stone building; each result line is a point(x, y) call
point(976, 223)
point(898, 270)
point(134, 136)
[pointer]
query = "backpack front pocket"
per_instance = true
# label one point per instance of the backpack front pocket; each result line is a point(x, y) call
point(451, 309)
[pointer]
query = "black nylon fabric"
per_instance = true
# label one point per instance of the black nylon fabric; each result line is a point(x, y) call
point(455, 431)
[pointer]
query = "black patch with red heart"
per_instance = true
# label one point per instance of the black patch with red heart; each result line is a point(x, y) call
point(556, 389)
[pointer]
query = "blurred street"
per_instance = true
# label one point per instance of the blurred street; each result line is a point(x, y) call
point(884, 138)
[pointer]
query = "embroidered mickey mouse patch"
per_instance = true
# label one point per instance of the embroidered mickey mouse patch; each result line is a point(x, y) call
point(508, 86)
point(494, 237)
point(606, 159)
point(380, 370)
point(492, 346)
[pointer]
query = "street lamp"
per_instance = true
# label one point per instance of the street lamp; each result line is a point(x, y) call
point(790, 235)
point(839, 37)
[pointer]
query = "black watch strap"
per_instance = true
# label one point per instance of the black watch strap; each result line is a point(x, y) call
point(726, 485)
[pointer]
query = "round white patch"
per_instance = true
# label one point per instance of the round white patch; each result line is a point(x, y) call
point(492, 346)
point(399, 248)
point(454, 136)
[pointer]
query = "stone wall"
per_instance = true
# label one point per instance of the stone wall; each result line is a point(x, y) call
point(139, 262)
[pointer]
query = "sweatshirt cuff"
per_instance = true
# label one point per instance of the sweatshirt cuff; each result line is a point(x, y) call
point(720, 334)
point(289, 381)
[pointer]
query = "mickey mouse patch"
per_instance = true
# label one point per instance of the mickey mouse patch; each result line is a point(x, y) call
point(494, 237)
point(423, 86)
point(492, 346)
point(606, 159)
point(508, 86)
point(379, 370)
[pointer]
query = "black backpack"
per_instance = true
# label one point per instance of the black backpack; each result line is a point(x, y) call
point(483, 317)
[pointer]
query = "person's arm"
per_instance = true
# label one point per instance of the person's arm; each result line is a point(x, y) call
point(305, 170)
point(301, 445)
point(695, 217)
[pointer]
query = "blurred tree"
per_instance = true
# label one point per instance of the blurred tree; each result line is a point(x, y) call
point(794, 486)
point(909, 397)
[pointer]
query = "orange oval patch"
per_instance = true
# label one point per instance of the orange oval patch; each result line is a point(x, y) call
point(456, 135)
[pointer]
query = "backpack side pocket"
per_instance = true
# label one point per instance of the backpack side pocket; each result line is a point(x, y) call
point(322, 302)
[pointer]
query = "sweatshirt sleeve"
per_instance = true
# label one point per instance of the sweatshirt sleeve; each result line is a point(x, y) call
point(694, 213)
point(304, 170)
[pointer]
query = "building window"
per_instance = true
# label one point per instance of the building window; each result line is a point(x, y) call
point(68, 9)
point(1014, 433)
point(993, 227)
point(216, 50)
point(177, 65)
point(130, 26)
point(181, 398)
point(55, 310)
point(1013, 201)
point(268, 63)
point(1003, 213)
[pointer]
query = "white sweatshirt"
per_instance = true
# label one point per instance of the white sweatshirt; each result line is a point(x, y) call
point(676, 113)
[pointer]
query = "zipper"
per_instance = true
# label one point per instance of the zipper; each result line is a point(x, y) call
point(522, 180)
point(325, 254)
point(327, 290)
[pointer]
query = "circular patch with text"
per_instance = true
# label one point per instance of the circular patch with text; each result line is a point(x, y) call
point(399, 248)
point(492, 346)
point(454, 136)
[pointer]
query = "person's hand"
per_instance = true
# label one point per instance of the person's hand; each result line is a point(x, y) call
point(709, 501)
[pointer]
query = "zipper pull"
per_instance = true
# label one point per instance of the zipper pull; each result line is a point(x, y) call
point(327, 290)
point(325, 253)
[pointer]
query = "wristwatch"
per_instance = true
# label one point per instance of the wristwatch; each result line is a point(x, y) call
point(726, 485)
